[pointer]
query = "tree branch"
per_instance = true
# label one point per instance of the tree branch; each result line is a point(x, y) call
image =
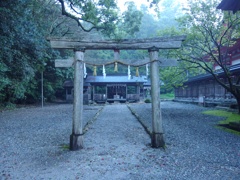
point(64, 12)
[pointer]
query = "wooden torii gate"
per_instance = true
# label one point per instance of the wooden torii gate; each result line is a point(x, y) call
point(79, 47)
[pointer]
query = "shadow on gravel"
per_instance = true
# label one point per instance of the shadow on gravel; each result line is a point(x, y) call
point(231, 126)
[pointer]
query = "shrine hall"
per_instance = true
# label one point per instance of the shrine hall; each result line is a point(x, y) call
point(111, 89)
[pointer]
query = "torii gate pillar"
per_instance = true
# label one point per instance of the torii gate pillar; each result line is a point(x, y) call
point(76, 138)
point(157, 138)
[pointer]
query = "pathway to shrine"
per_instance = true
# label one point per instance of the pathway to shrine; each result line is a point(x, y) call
point(115, 125)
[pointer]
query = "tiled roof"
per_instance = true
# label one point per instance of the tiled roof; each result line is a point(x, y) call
point(233, 69)
point(110, 79)
point(229, 5)
point(115, 79)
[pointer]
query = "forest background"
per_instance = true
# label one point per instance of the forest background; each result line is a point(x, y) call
point(25, 52)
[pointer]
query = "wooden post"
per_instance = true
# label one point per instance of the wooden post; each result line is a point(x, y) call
point(93, 92)
point(76, 138)
point(138, 92)
point(157, 129)
point(106, 94)
point(126, 92)
point(42, 87)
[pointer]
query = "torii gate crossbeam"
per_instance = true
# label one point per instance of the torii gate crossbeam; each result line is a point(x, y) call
point(158, 43)
point(79, 47)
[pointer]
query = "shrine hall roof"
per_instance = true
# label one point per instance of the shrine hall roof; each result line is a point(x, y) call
point(233, 69)
point(115, 79)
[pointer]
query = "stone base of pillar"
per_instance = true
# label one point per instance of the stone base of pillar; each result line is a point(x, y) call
point(158, 140)
point(76, 142)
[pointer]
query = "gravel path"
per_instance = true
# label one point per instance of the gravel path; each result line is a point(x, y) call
point(196, 149)
point(34, 140)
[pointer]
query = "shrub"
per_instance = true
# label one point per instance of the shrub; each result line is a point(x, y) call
point(147, 101)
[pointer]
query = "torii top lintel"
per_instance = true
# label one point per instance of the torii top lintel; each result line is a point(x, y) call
point(125, 44)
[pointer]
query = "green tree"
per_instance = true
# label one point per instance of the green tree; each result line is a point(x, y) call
point(172, 77)
point(149, 25)
point(19, 35)
point(210, 34)
point(171, 10)
point(24, 27)
point(129, 23)
point(103, 16)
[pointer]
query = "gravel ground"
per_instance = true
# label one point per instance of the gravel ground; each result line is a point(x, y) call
point(196, 149)
point(116, 146)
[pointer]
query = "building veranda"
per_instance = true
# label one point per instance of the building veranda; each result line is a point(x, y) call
point(204, 89)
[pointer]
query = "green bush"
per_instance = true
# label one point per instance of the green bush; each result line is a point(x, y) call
point(147, 101)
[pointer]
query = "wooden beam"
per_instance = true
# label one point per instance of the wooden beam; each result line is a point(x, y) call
point(64, 62)
point(158, 43)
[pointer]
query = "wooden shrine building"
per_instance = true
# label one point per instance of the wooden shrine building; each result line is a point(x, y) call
point(203, 89)
point(112, 88)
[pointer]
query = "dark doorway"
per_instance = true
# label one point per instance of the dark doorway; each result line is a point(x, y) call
point(116, 91)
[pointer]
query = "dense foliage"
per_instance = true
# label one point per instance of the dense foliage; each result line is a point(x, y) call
point(25, 52)
point(24, 49)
